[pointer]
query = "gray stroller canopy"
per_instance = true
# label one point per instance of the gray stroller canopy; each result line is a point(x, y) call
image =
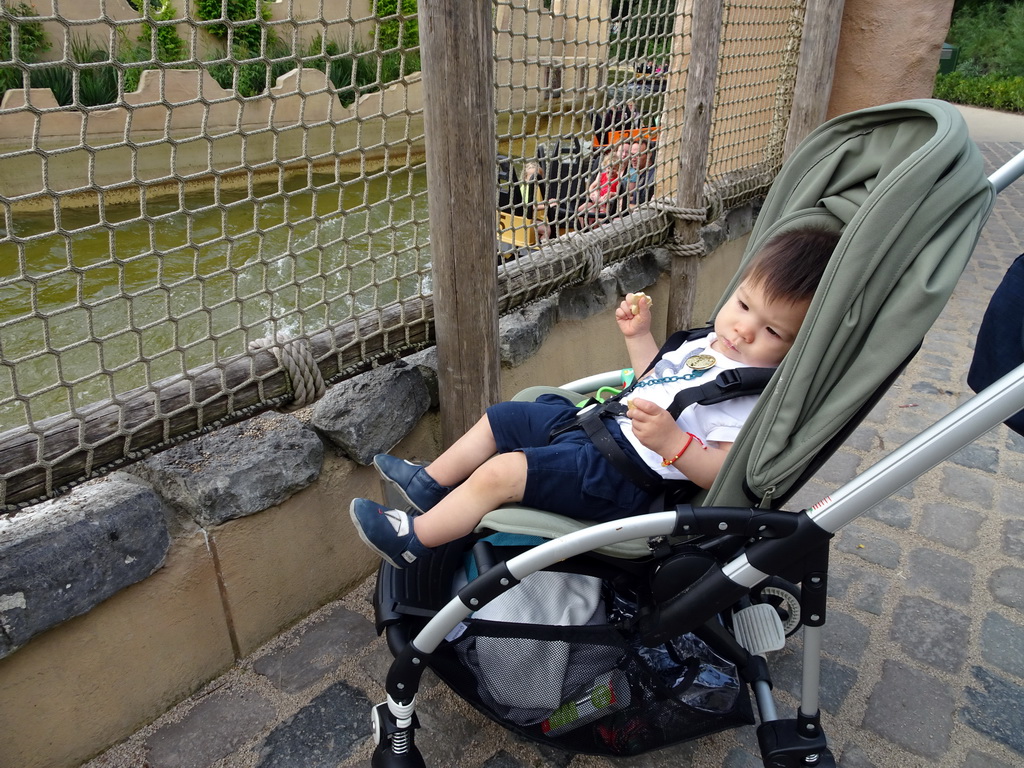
point(906, 186)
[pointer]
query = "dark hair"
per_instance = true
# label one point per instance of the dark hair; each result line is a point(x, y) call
point(789, 266)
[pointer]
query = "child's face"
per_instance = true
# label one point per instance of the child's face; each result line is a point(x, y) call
point(754, 331)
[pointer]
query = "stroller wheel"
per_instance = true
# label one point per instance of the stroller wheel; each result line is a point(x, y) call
point(785, 598)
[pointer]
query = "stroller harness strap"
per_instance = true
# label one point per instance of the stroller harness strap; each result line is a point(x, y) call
point(732, 383)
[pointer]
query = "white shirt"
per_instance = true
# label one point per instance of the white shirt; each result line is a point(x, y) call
point(712, 424)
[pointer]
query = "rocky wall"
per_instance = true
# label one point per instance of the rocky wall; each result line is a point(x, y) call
point(888, 51)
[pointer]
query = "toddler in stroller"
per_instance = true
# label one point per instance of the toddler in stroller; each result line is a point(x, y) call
point(547, 459)
point(679, 625)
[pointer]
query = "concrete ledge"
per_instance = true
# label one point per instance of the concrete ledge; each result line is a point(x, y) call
point(281, 565)
point(97, 677)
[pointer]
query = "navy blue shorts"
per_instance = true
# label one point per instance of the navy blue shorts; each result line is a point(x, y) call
point(568, 476)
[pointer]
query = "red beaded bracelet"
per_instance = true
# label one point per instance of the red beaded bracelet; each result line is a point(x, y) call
point(669, 462)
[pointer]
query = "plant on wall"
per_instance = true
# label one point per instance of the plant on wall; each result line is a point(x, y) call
point(238, 12)
point(169, 45)
point(244, 70)
point(397, 29)
point(354, 71)
point(169, 48)
point(21, 40)
point(97, 78)
point(642, 29)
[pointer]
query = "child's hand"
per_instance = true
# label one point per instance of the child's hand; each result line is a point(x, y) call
point(657, 431)
point(654, 427)
point(634, 314)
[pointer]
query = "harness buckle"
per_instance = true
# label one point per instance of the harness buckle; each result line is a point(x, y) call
point(729, 379)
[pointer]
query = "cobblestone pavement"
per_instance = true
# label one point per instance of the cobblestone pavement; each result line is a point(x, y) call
point(924, 649)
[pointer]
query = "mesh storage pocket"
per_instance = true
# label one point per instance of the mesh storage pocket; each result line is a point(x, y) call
point(592, 689)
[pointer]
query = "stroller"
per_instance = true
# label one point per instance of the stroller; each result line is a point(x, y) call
point(624, 637)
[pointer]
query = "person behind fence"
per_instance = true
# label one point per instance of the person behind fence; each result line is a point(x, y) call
point(604, 189)
point(510, 456)
point(639, 173)
point(620, 116)
point(532, 192)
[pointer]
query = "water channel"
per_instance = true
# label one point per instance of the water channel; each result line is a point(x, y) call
point(108, 287)
point(95, 302)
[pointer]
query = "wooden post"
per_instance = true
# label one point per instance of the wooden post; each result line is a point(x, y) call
point(701, 75)
point(458, 81)
point(818, 46)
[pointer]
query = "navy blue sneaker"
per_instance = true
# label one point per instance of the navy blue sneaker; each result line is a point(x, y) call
point(388, 532)
point(420, 490)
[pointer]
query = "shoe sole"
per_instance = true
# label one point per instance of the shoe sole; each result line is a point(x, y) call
point(359, 529)
point(398, 489)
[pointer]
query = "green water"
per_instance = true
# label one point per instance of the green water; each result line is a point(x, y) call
point(146, 297)
point(96, 302)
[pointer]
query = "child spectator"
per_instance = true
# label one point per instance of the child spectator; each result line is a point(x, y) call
point(604, 190)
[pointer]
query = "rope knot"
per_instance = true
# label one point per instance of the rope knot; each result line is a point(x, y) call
point(294, 356)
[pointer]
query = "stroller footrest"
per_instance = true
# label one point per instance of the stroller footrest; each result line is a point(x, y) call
point(759, 629)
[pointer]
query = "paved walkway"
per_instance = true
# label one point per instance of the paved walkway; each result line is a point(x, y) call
point(924, 661)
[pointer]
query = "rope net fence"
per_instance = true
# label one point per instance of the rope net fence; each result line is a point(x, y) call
point(211, 209)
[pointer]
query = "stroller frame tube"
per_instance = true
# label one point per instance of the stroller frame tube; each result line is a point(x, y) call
point(811, 672)
point(1009, 173)
point(954, 431)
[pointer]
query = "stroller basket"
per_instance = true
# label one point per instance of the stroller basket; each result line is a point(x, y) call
point(591, 688)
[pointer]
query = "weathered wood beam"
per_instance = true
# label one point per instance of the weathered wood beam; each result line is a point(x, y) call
point(458, 110)
point(816, 68)
point(701, 76)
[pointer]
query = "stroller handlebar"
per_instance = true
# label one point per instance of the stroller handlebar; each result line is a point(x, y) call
point(736, 521)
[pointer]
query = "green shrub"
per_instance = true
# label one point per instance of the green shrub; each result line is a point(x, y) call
point(96, 85)
point(32, 44)
point(254, 74)
point(97, 82)
point(58, 79)
point(169, 45)
point(394, 30)
point(992, 91)
point(244, 36)
point(170, 48)
point(32, 39)
point(355, 72)
point(990, 36)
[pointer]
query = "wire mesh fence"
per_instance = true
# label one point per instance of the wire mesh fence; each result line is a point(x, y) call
point(193, 196)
